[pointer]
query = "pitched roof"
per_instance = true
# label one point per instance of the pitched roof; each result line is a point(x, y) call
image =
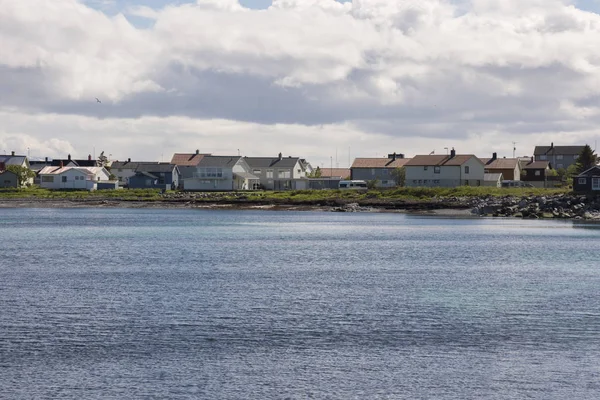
point(271, 162)
point(144, 173)
point(53, 170)
point(492, 177)
point(125, 164)
point(565, 150)
point(537, 165)
point(379, 162)
point(590, 171)
point(219, 161)
point(435, 160)
point(500, 163)
point(13, 160)
point(155, 167)
point(246, 175)
point(187, 159)
point(337, 172)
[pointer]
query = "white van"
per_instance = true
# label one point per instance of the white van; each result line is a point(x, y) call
point(353, 185)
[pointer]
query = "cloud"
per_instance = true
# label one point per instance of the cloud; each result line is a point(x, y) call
point(411, 72)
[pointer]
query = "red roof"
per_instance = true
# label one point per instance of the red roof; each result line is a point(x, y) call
point(187, 159)
point(379, 162)
point(330, 172)
point(433, 160)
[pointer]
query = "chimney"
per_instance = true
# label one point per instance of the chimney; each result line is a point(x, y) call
point(394, 156)
point(12, 153)
point(280, 156)
point(494, 156)
point(69, 157)
point(89, 157)
point(129, 160)
point(46, 160)
point(531, 160)
point(452, 153)
point(61, 163)
point(551, 145)
point(197, 151)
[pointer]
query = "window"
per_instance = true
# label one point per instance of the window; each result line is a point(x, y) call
point(559, 157)
point(64, 179)
point(436, 181)
point(581, 181)
point(269, 174)
point(595, 183)
point(373, 171)
point(299, 171)
point(425, 168)
point(543, 158)
point(466, 169)
point(436, 170)
point(284, 174)
point(47, 179)
point(211, 172)
point(538, 173)
point(256, 171)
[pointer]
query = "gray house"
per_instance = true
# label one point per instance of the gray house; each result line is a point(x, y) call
point(221, 173)
point(155, 176)
point(8, 179)
point(379, 169)
point(557, 156)
point(187, 163)
point(279, 173)
point(12, 159)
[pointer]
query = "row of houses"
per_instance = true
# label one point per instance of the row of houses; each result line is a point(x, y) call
point(198, 171)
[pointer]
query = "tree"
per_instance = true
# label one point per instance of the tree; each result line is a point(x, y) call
point(24, 174)
point(571, 171)
point(562, 173)
point(399, 175)
point(372, 184)
point(316, 173)
point(586, 160)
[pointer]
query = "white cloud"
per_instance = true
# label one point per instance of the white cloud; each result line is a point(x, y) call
point(378, 75)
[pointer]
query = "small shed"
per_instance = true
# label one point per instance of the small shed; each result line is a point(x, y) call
point(108, 185)
point(492, 180)
point(8, 179)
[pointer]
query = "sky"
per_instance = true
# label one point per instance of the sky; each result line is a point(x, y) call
point(323, 80)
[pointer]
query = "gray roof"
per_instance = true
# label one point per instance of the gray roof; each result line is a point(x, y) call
point(13, 160)
point(271, 162)
point(125, 164)
point(565, 150)
point(492, 177)
point(154, 167)
point(219, 161)
point(246, 175)
point(148, 174)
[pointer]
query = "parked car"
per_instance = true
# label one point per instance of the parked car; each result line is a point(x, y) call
point(516, 184)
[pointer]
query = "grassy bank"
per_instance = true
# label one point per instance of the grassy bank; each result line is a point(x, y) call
point(299, 196)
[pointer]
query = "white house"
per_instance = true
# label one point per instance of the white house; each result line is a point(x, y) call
point(124, 170)
point(444, 170)
point(279, 173)
point(221, 173)
point(85, 178)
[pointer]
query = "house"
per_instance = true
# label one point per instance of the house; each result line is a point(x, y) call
point(123, 170)
point(154, 175)
point(378, 169)
point(187, 163)
point(445, 170)
point(222, 173)
point(510, 168)
point(492, 180)
point(8, 179)
point(340, 173)
point(557, 156)
point(86, 178)
point(536, 173)
point(278, 173)
point(588, 181)
point(16, 160)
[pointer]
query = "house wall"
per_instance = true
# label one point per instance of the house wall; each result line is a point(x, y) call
point(497, 183)
point(70, 181)
point(197, 183)
point(8, 180)
point(382, 175)
point(509, 174)
point(449, 176)
point(558, 160)
point(123, 174)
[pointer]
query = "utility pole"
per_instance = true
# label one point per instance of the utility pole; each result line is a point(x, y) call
point(514, 149)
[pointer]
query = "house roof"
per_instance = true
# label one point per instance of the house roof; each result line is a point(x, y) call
point(334, 172)
point(565, 150)
point(78, 163)
point(219, 161)
point(125, 164)
point(379, 162)
point(13, 160)
point(53, 170)
point(7, 172)
point(148, 174)
point(537, 165)
point(154, 167)
point(492, 177)
point(246, 175)
point(590, 171)
point(271, 162)
point(187, 159)
point(500, 163)
point(439, 160)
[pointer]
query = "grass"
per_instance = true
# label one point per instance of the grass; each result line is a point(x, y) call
point(296, 196)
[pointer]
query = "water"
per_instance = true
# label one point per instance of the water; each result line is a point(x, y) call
point(177, 304)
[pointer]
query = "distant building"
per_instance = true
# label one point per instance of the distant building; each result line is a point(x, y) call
point(279, 173)
point(558, 156)
point(536, 173)
point(510, 168)
point(187, 163)
point(85, 178)
point(588, 181)
point(451, 170)
point(221, 173)
point(379, 169)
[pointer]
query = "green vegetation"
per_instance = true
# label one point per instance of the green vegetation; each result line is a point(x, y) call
point(39, 193)
point(24, 174)
point(586, 160)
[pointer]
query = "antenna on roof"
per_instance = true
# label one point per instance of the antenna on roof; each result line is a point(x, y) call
point(446, 150)
point(514, 148)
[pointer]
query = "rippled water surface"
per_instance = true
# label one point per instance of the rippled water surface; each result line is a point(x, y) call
point(177, 304)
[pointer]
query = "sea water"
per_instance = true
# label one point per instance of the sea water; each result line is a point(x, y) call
point(178, 304)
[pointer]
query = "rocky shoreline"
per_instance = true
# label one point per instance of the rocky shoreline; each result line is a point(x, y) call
point(561, 206)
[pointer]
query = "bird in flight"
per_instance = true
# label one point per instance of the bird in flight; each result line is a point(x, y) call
point(98, 100)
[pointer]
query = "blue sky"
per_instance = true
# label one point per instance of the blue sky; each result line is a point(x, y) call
point(588, 5)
